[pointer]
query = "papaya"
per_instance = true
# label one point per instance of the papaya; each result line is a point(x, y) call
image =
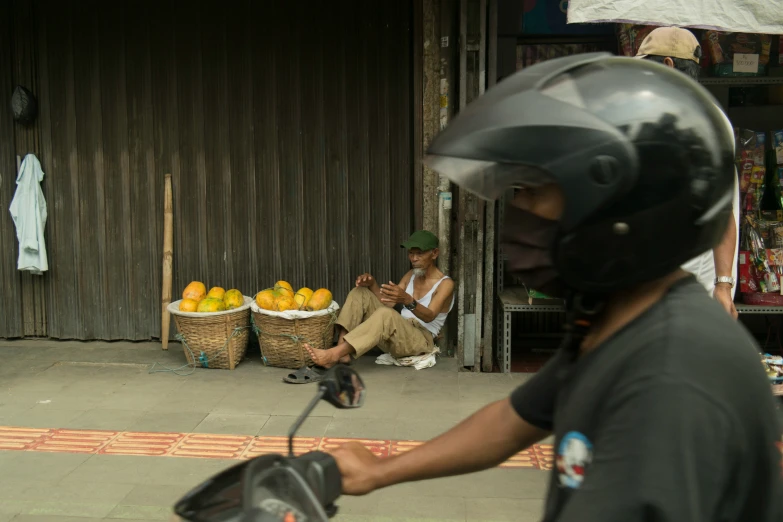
point(195, 290)
point(282, 290)
point(285, 302)
point(284, 284)
point(188, 305)
point(320, 300)
point(233, 299)
point(211, 304)
point(216, 292)
point(266, 299)
point(302, 296)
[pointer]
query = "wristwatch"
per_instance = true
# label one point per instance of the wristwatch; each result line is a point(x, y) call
point(411, 306)
point(725, 279)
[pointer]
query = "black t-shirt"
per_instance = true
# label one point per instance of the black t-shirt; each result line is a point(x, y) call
point(671, 420)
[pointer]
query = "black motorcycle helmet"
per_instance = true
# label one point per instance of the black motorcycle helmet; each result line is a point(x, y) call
point(640, 151)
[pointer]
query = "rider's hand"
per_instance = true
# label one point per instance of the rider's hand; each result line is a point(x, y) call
point(365, 280)
point(361, 470)
point(722, 294)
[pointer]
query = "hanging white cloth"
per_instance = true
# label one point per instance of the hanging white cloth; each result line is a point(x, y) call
point(28, 210)
point(417, 361)
point(745, 16)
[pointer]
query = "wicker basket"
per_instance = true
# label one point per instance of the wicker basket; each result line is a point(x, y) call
point(281, 335)
point(217, 339)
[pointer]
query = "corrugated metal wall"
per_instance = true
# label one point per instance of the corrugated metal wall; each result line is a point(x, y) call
point(287, 129)
point(11, 290)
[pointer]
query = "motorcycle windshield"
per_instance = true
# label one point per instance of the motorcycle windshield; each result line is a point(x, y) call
point(218, 499)
point(282, 493)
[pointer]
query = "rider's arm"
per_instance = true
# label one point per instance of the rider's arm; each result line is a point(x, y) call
point(660, 454)
point(487, 438)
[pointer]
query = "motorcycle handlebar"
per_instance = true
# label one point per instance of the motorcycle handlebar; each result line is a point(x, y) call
point(322, 474)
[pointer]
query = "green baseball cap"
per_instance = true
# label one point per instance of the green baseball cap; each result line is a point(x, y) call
point(421, 239)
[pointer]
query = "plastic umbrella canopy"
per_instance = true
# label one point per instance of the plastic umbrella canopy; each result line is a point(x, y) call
point(742, 16)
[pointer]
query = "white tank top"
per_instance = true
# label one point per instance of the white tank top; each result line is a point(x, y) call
point(437, 323)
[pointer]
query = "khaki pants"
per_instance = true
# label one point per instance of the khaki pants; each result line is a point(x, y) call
point(370, 323)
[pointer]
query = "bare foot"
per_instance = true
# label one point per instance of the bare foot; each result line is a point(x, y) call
point(324, 358)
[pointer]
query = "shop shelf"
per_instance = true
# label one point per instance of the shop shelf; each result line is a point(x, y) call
point(742, 81)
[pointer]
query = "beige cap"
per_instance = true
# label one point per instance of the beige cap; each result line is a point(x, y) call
point(674, 42)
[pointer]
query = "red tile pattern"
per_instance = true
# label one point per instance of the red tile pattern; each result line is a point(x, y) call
point(213, 446)
point(524, 459)
point(266, 445)
point(401, 446)
point(76, 441)
point(205, 445)
point(142, 443)
point(22, 439)
point(545, 455)
point(380, 448)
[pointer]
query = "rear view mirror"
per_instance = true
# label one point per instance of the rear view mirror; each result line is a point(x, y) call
point(340, 386)
point(344, 387)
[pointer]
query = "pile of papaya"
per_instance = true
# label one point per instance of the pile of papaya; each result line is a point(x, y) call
point(195, 298)
point(281, 297)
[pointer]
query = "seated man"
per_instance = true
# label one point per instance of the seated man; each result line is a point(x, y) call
point(368, 317)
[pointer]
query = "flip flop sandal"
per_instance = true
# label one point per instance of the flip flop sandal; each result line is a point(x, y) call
point(303, 375)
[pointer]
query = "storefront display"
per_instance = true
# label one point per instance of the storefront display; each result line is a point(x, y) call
point(760, 168)
point(736, 54)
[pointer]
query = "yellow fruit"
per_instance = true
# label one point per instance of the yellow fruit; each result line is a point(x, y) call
point(188, 305)
point(320, 300)
point(195, 290)
point(302, 296)
point(266, 299)
point(216, 292)
point(233, 299)
point(281, 290)
point(285, 302)
point(284, 284)
point(210, 304)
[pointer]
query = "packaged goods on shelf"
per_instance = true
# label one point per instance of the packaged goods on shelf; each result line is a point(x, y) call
point(751, 168)
point(761, 261)
point(631, 36)
point(724, 50)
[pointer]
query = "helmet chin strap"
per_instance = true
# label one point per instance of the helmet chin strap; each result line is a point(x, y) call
point(581, 311)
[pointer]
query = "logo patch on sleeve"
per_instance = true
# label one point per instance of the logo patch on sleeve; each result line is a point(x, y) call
point(574, 455)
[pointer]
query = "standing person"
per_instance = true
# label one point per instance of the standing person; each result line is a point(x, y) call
point(715, 269)
point(658, 401)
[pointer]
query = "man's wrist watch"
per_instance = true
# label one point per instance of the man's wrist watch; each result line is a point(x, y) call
point(725, 279)
point(412, 306)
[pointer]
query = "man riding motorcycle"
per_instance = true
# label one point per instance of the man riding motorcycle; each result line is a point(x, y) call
point(622, 170)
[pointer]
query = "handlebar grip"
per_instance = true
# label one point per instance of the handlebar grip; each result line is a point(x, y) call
point(322, 474)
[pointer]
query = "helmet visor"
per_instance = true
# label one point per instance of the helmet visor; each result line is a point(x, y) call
point(487, 179)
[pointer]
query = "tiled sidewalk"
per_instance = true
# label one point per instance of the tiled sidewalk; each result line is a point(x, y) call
point(79, 422)
point(212, 446)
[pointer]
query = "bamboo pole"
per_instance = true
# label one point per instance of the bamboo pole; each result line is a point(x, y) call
point(168, 240)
